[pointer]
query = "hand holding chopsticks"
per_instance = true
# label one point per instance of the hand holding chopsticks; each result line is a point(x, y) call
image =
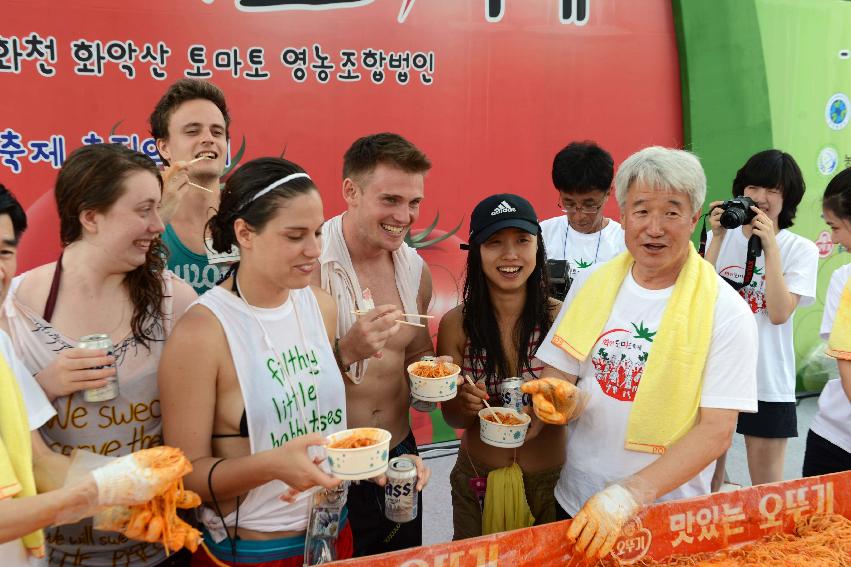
point(403, 322)
point(487, 405)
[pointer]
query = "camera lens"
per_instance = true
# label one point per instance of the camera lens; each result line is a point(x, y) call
point(733, 217)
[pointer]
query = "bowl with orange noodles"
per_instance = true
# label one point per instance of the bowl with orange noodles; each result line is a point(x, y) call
point(433, 381)
point(507, 431)
point(358, 454)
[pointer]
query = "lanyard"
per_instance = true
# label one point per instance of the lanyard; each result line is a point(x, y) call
point(267, 340)
point(599, 237)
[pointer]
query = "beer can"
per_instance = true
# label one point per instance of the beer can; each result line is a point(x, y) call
point(400, 492)
point(110, 391)
point(511, 395)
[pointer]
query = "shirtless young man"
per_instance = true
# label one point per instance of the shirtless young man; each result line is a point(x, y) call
point(363, 248)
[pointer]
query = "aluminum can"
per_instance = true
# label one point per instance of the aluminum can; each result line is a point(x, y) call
point(110, 391)
point(511, 395)
point(400, 492)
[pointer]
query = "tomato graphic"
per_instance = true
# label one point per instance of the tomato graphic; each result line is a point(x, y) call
point(441, 251)
point(619, 359)
point(753, 293)
point(40, 243)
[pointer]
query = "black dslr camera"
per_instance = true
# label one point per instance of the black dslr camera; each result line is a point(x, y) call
point(737, 212)
point(559, 276)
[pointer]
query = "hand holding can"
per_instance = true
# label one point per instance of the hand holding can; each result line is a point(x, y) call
point(108, 391)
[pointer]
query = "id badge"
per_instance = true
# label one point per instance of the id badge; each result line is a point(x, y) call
point(479, 486)
point(323, 525)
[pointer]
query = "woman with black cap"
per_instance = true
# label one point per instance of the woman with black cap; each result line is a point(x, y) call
point(493, 334)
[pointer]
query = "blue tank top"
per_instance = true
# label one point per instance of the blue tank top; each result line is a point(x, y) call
point(192, 268)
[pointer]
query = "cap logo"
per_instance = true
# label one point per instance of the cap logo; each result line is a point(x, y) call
point(503, 207)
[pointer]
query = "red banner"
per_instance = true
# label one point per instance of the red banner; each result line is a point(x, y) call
point(489, 90)
point(683, 527)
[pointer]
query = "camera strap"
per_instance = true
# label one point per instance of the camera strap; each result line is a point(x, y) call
point(754, 252)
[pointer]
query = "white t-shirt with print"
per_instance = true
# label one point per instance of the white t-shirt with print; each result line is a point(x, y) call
point(39, 410)
point(611, 375)
point(581, 250)
point(799, 257)
point(833, 419)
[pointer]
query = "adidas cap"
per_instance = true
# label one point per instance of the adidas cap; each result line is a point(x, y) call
point(502, 211)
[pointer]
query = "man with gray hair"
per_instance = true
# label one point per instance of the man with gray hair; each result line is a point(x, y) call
point(660, 352)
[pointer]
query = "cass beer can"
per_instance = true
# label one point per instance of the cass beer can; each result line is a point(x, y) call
point(511, 395)
point(400, 492)
point(109, 391)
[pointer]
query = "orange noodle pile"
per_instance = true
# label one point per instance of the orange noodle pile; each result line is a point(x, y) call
point(157, 520)
point(353, 441)
point(821, 540)
point(505, 418)
point(433, 370)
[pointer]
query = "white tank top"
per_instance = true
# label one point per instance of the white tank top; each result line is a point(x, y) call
point(307, 395)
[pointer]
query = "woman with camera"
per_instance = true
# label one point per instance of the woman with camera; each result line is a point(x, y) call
point(767, 191)
point(493, 335)
point(829, 439)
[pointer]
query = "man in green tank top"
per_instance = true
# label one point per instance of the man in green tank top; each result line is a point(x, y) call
point(190, 125)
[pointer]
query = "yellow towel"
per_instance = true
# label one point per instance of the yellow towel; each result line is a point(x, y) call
point(505, 502)
point(16, 473)
point(668, 398)
point(839, 343)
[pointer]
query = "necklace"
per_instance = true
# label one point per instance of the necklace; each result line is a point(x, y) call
point(599, 237)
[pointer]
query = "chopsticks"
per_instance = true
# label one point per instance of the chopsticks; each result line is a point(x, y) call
point(199, 186)
point(487, 405)
point(197, 159)
point(361, 312)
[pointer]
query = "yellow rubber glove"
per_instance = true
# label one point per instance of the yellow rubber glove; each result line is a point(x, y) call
point(595, 529)
point(555, 401)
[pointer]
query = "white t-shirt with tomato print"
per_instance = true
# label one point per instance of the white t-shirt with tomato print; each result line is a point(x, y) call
point(581, 250)
point(799, 257)
point(833, 420)
point(611, 375)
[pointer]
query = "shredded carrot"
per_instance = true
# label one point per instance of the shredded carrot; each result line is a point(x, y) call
point(433, 370)
point(353, 441)
point(157, 520)
point(820, 540)
point(505, 418)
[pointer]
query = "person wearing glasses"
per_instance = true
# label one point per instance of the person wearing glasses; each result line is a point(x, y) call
point(582, 236)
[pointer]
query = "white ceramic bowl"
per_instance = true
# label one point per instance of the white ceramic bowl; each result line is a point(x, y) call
point(362, 462)
point(434, 389)
point(499, 435)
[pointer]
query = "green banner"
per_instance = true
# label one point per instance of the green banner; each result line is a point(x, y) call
point(758, 74)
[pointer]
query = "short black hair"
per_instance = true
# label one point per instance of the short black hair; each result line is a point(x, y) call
point(582, 167)
point(9, 205)
point(770, 169)
point(837, 195)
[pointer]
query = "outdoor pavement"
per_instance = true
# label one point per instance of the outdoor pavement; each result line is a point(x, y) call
point(437, 518)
